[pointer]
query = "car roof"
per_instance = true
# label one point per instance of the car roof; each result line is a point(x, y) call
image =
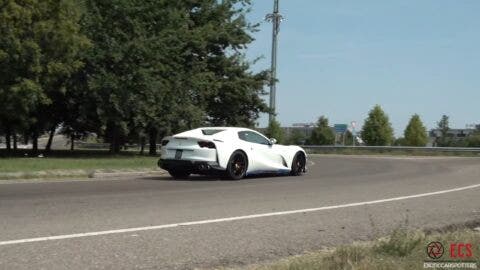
point(227, 128)
point(225, 132)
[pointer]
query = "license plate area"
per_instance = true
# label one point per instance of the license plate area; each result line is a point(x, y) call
point(178, 154)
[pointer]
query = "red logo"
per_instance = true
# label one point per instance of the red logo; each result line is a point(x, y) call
point(435, 250)
point(461, 250)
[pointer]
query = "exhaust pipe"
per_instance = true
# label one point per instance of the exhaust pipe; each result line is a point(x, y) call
point(203, 167)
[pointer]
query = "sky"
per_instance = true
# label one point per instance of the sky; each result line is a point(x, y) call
point(339, 58)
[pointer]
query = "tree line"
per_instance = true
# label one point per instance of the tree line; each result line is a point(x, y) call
point(377, 131)
point(126, 70)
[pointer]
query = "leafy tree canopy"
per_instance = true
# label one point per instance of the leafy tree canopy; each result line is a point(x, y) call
point(322, 134)
point(377, 129)
point(416, 133)
point(444, 126)
point(39, 46)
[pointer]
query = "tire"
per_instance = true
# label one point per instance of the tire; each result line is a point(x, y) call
point(178, 174)
point(298, 164)
point(237, 166)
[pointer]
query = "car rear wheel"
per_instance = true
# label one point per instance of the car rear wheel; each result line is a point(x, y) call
point(298, 164)
point(178, 174)
point(237, 165)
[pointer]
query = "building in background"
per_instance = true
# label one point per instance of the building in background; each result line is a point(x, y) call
point(454, 134)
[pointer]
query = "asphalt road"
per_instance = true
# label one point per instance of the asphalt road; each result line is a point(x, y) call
point(349, 199)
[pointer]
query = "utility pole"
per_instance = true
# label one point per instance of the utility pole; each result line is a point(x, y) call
point(275, 18)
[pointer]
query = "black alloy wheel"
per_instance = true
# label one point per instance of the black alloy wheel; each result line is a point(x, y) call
point(298, 164)
point(237, 165)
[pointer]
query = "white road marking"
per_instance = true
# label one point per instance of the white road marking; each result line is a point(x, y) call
point(209, 221)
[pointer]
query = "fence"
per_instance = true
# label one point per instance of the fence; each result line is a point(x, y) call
point(391, 149)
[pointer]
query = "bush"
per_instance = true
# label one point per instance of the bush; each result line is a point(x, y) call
point(401, 243)
point(473, 141)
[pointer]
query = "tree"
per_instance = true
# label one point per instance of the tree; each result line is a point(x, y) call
point(347, 137)
point(415, 133)
point(167, 66)
point(322, 134)
point(20, 90)
point(39, 46)
point(274, 130)
point(444, 126)
point(238, 101)
point(61, 48)
point(19, 101)
point(377, 129)
point(215, 78)
point(80, 111)
point(230, 90)
point(296, 137)
point(126, 69)
point(132, 64)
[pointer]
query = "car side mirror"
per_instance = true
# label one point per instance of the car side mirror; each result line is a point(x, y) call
point(273, 141)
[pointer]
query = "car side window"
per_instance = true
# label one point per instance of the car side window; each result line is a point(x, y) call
point(253, 137)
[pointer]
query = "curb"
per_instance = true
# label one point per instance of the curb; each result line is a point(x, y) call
point(79, 176)
point(122, 174)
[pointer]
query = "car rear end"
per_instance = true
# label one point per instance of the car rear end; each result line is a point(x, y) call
point(190, 151)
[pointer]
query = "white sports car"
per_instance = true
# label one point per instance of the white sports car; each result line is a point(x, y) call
point(234, 152)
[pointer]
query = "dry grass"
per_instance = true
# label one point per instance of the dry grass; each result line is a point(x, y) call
point(401, 250)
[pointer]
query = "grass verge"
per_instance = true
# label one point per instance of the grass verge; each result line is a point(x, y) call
point(401, 250)
point(81, 165)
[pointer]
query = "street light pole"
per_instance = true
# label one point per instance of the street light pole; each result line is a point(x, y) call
point(275, 18)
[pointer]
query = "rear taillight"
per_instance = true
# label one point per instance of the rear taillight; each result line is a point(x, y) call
point(164, 142)
point(206, 144)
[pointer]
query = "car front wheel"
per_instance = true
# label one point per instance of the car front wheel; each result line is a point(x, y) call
point(298, 164)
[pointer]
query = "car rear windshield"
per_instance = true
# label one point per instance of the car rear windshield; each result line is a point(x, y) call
point(211, 131)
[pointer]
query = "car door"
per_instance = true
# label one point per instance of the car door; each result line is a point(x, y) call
point(262, 156)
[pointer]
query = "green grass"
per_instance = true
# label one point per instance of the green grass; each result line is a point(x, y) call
point(80, 163)
point(401, 250)
point(72, 163)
